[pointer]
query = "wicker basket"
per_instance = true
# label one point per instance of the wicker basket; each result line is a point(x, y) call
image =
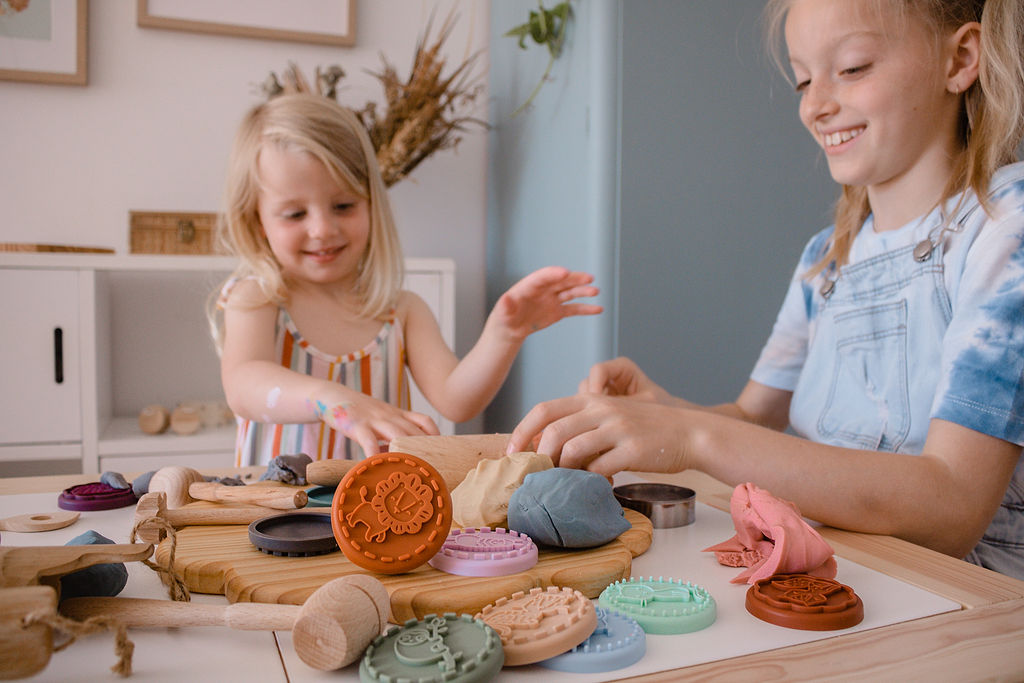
point(155, 232)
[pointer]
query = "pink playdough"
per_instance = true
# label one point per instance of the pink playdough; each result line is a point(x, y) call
point(771, 538)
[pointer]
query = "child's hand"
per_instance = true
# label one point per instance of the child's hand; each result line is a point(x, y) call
point(368, 421)
point(541, 299)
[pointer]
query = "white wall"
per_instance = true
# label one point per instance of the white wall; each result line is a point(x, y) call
point(151, 131)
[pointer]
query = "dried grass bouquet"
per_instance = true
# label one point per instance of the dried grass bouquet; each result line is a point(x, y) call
point(420, 116)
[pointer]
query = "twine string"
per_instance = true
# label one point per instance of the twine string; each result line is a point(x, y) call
point(176, 587)
point(123, 647)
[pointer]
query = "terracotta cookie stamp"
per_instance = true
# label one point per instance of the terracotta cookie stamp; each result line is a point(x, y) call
point(662, 606)
point(436, 648)
point(801, 601)
point(617, 642)
point(485, 552)
point(391, 513)
point(540, 624)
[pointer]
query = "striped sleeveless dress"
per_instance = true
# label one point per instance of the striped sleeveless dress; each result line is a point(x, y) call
point(378, 370)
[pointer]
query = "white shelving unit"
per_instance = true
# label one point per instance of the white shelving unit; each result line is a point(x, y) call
point(134, 333)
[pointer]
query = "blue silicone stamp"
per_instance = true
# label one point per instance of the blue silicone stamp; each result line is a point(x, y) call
point(662, 606)
point(617, 642)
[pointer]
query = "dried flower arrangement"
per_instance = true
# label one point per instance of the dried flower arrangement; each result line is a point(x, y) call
point(422, 113)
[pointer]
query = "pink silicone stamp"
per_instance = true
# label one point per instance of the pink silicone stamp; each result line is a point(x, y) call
point(485, 552)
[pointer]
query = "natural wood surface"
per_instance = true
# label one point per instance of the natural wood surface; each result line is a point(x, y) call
point(982, 644)
point(199, 513)
point(276, 497)
point(220, 559)
point(25, 650)
point(39, 521)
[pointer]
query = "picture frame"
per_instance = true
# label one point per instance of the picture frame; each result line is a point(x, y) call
point(45, 42)
point(323, 22)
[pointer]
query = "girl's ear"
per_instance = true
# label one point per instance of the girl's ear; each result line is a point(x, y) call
point(964, 57)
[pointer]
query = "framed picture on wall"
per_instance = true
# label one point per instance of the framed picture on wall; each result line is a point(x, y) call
point(326, 22)
point(44, 41)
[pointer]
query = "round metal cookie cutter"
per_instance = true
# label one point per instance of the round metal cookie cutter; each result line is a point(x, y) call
point(666, 505)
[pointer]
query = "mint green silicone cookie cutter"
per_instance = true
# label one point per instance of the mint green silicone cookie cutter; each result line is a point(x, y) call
point(662, 606)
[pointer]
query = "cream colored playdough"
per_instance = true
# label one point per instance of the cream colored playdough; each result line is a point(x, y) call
point(482, 497)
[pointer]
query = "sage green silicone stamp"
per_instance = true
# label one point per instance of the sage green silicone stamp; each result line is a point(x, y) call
point(662, 606)
point(435, 648)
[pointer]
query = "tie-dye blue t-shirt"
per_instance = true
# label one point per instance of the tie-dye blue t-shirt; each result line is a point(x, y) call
point(899, 341)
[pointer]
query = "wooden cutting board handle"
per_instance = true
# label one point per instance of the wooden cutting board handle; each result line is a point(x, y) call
point(452, 456)
point(265, 496)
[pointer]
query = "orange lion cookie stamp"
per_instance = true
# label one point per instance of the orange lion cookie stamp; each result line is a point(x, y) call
point(391, 513)
point(801, 601)
point(540, 624)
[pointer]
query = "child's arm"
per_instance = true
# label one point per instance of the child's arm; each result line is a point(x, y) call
point(258, 388)
point(461, 389)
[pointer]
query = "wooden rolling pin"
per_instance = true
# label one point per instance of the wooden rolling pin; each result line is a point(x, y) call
point(155, 505)
point(330, 630)
point(275, 497)
point(452, 456)
point(184, 485)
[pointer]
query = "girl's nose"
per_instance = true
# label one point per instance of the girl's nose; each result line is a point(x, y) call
point(818, 102)
point(320, 225)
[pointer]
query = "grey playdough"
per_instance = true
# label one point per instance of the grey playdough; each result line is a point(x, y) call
point(566, 508)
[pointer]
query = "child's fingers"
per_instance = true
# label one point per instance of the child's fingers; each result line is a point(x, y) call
point(424, 422)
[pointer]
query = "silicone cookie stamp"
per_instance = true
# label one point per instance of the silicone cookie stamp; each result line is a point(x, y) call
point(485, 552)
point(617, 642)
point(436, 648)
point(391, 513)
point(662, 606)
point(801, 601)
point(540, 624)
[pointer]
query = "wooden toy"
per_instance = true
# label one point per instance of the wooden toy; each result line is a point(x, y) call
point(31, 565)
point(185, 485)
point(154, 419)
point(25, 649)
point(330, 630)
point(39, 521)
point(155, 505)
point(186, 419)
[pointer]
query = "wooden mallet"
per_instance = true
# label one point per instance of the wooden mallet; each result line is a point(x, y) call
point(330, 630)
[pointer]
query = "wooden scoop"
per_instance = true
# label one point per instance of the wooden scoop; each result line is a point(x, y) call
point(331, 629)
point(27, 566)
point(452, 456)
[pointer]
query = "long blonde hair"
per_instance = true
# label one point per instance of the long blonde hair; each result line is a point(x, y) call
point(991, 122)
point(335, 136)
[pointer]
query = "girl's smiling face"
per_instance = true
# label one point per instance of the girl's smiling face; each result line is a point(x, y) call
point(317, 228)
point(872, 93)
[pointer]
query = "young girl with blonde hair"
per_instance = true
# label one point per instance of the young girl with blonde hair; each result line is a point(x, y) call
point(317, 332)
point(898, 355)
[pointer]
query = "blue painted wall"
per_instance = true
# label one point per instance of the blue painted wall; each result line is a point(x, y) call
point(665, 156)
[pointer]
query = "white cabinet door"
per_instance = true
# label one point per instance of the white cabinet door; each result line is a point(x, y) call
point(40, 395)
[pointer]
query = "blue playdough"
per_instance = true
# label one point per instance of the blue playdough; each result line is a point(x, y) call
point(617, 642)
point(99, 580)
point(566, 508)
point(140, 485)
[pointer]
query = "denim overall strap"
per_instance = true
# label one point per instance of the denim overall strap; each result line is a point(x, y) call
point(873, 360)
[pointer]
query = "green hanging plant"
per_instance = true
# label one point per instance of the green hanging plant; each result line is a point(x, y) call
point(545, 27)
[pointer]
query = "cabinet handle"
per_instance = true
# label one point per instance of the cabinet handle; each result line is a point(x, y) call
point(58, 355)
